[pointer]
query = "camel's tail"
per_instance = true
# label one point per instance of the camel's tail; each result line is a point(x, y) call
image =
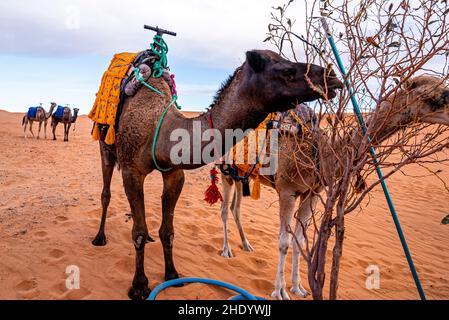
point(23, 120)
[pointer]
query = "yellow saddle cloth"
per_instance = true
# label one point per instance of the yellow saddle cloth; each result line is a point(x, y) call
point(241, 159)
point(104, 110)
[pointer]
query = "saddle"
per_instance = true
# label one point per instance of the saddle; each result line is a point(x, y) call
point(293, 122)
point(59, 113)
point(119, 82)
point(32, 111)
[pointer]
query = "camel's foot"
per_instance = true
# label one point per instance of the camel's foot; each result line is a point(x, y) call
point(280, 294)
point(54, 139)
point(171, 276)
point(65, 140)
point(37, 138)
point(139, 292)
point(247, 247)
point(100, 240)
point(150, 239)
point(227, 252)
point(300, 291)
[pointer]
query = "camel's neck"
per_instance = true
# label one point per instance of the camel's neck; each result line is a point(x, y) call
point(233, 110)
point(385, 123)
point(48, 114)
point(74, 117)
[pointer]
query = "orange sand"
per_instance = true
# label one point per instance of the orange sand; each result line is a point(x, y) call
point(50, 211)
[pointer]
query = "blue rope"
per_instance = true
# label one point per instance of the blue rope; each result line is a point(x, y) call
point(376, 162)
point(243, 295)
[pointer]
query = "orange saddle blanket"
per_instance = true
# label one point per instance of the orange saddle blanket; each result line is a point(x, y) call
point(104, 110)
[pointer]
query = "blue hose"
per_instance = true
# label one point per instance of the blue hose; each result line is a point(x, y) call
point(376, 163)
point(243, 295)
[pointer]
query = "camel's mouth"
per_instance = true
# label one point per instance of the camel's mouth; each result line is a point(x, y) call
point(329, 90)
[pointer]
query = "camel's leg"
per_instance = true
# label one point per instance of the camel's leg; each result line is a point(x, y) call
point(235, 208)
point(65, 133)
point(68, 130)
point(45, 129)
point(287, 205)
point(39, 131)
point(25, 127)
point(133, 183)
point(226, 193)
point(108, 159)
point(31, 128)
point(53, 128)
point(306, 207)
point(173, 183)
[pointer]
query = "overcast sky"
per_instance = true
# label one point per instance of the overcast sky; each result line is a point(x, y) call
point(58, 50)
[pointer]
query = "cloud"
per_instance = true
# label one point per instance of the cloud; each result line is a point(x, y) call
point(214, 32)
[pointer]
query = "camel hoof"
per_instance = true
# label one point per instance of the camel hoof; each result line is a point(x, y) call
point(173, 276)
point(300, 292)
point(227, 253)
point(54, 139)
point(150, 239)
point(139, 294)
point(100, 240)
point(247, 247)
point(280, 295)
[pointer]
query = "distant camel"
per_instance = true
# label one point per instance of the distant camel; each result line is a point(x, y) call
point(263, 84)
point(41, 116)
point(67, 119)
point(424, 99)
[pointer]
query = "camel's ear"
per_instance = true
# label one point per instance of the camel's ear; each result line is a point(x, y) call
point(256, 61)
point(409, 84)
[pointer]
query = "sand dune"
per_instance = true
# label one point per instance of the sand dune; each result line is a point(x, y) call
point(50, 210)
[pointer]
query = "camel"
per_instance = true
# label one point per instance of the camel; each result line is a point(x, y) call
point(265, 83)
point(67, 119)
point(424, 99)
point(41, 116)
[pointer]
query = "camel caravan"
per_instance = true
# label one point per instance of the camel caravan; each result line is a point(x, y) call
point(60, 115)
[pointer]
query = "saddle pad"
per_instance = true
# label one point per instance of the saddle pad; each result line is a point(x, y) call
point(32, 112)
point(59, 113)
point(240, 152)
point(104, 110)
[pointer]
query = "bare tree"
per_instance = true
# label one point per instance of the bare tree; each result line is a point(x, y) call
point(385, 46)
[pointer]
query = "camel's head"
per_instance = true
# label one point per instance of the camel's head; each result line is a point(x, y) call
point(428, 97)
point(75, 110)
point(281, 84)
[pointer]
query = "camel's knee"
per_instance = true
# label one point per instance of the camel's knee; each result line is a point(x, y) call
point(284, 243)
point(224, 211)
point(105, 196)
point(167, 236)
point(139, 238)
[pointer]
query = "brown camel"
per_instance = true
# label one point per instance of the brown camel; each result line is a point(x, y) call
point(41, 116)
point(424, 99)
point(263, 84)
point(67, 119)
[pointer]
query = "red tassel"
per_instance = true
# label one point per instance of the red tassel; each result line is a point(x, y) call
point(212, 194)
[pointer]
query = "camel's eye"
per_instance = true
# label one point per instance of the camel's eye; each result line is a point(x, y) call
point(412, 85)
point(289, 73)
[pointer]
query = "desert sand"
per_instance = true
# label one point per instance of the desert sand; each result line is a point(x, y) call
point(50, 210)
